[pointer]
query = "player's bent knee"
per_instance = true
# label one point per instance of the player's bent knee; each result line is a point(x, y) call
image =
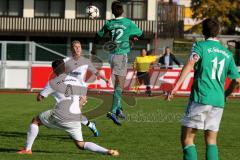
point(210, 137)
point(211, 140)
point(187, 141)
point(188, 135)
point(36, 121)
point(80, 144)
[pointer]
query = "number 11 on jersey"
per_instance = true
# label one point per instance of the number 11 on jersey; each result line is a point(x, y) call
point(215, 66)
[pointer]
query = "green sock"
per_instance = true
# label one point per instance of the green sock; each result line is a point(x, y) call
point(190, 152)
point(116, 99)
point(212, 152)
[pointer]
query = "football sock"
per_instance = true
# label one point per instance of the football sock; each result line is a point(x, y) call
point(84, 120)
point(212, 152)
point(90, 124)
point(116, 99)
point(31, 135)
point(95, 148)
point(190, 152)
point(120, 107)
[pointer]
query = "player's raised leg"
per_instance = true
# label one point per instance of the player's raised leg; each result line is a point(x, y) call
point(90, 146)
point(120, 80)
point(117, 96)
point(84, 120)
point(119, 84)
point(74, 130)
point(187, 139)
point(90, 125)
point(119, 54)
point(31, 136)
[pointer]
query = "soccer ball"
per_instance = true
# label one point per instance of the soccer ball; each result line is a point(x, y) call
point(93, 12)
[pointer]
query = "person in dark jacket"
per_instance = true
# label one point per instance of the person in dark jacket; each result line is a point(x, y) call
point(167, 59)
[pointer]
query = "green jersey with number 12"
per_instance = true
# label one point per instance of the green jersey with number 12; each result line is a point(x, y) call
point(214, 64)
point(121, 29)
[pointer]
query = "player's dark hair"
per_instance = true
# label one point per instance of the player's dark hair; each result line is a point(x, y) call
point(58, 66)
point(210, 28)
point(117, 9)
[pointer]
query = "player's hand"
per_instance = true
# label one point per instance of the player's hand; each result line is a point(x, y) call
point(39, 97)
point(107, 81)
point(170, 94)
point(135, 38)
point(83, 100)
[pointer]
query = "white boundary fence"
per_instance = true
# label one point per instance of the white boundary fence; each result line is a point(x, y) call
point(31, 74)
point(17, 74)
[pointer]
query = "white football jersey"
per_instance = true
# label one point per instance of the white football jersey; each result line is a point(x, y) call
point(78, 68)
point(67, 102)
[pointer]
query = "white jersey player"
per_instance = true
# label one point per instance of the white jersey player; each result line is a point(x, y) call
point(66, 114)
point(77, 66)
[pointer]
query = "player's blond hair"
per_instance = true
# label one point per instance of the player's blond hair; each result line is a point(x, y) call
point(75, 42)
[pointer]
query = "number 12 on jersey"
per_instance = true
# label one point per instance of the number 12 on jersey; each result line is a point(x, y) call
point(117, 34)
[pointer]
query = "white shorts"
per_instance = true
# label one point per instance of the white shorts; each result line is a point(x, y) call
point(74, 129)
point(118, 64)
point(202, 116)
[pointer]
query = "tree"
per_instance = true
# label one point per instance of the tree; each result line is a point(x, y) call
point(226, 11)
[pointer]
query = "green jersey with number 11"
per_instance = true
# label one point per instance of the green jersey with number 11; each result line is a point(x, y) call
point(121, 29)
point(214, 64)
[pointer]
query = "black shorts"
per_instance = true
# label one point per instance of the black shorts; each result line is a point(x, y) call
point(143, 76)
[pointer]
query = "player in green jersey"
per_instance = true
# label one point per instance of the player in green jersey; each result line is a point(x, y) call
point(121, 30)
point(212, 63)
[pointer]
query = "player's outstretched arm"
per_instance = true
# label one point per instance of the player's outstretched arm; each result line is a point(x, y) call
point(82, 101)
point(45, 92)
point(185, 71)
point(99, 35)
point(95, 41)
point(101, 76)
point(94, 71)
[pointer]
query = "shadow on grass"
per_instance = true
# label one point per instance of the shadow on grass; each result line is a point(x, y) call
point(14, 150)
point(8, 150)
point(106, 104)
point(11, 134)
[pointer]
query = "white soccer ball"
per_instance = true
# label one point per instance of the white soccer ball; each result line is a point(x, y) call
point(92, 12)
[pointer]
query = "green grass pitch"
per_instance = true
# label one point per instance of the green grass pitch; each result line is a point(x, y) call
point(151, 131)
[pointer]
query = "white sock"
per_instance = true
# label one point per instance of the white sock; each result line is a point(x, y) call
point(90, 125)
point(95, 148)
point(31, 135)
point(84, 120)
